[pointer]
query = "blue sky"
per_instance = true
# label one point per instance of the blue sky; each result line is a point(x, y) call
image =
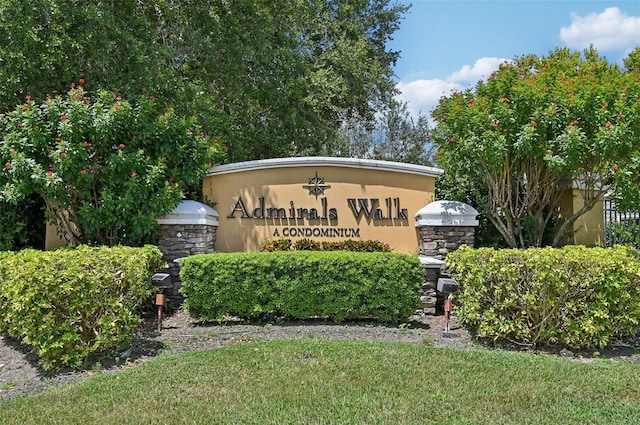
point(451, 44)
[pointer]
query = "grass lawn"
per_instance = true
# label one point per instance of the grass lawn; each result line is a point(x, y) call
point(313, 381)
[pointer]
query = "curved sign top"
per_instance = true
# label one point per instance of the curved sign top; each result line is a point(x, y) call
point(320, 198)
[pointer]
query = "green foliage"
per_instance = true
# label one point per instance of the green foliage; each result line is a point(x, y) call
point(357, 246)
point(574, 297)
point(277, 77)
point(307, 245)
point(311, 245)
point(22, 225)
point(281, 244)
point(395, 136)
point(69, 304)
point(626, 233)
point(537, 126)
point(106, 168)
point(335, 285)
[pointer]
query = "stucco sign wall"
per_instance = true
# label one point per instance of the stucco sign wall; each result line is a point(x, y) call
point(318, 198)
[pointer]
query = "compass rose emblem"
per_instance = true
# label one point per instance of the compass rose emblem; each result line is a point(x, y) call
point(316, 186)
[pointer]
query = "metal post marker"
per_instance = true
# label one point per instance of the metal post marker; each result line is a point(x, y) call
point(161, 281)
point(448, 307)
point(447, 286)
point(159, 303)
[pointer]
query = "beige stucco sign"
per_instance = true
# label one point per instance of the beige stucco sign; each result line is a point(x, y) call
point(318, 198)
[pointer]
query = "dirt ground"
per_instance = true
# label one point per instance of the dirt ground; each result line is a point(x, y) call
point(20, 374)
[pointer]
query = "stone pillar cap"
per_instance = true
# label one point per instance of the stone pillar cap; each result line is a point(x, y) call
point(431, 262)
point(191, 212)
point(447, 213)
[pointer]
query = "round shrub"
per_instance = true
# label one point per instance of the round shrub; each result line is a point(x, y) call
point(574, 296)
point(69, 304)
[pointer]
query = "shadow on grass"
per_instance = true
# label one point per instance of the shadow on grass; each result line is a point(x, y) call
point(284, 321)
point(141, 347)
point(623, 349)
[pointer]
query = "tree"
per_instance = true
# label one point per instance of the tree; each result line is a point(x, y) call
point(626, 178)
point(278, 78)
point(274, 78)
point(44, 45)
point(395, 136)
point(536, 127)
point(105, 168)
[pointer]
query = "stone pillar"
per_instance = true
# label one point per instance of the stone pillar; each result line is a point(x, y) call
point(188, 230)
point(443, 227)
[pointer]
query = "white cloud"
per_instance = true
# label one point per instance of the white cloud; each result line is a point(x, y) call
point(423, 95)
point(480, 70)
point(609, 30)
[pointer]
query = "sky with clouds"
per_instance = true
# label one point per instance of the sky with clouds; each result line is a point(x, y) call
point(451, 44)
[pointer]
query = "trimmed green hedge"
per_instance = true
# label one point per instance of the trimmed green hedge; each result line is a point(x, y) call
point(574, 297)
point(68, 304)
point(305, 284)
